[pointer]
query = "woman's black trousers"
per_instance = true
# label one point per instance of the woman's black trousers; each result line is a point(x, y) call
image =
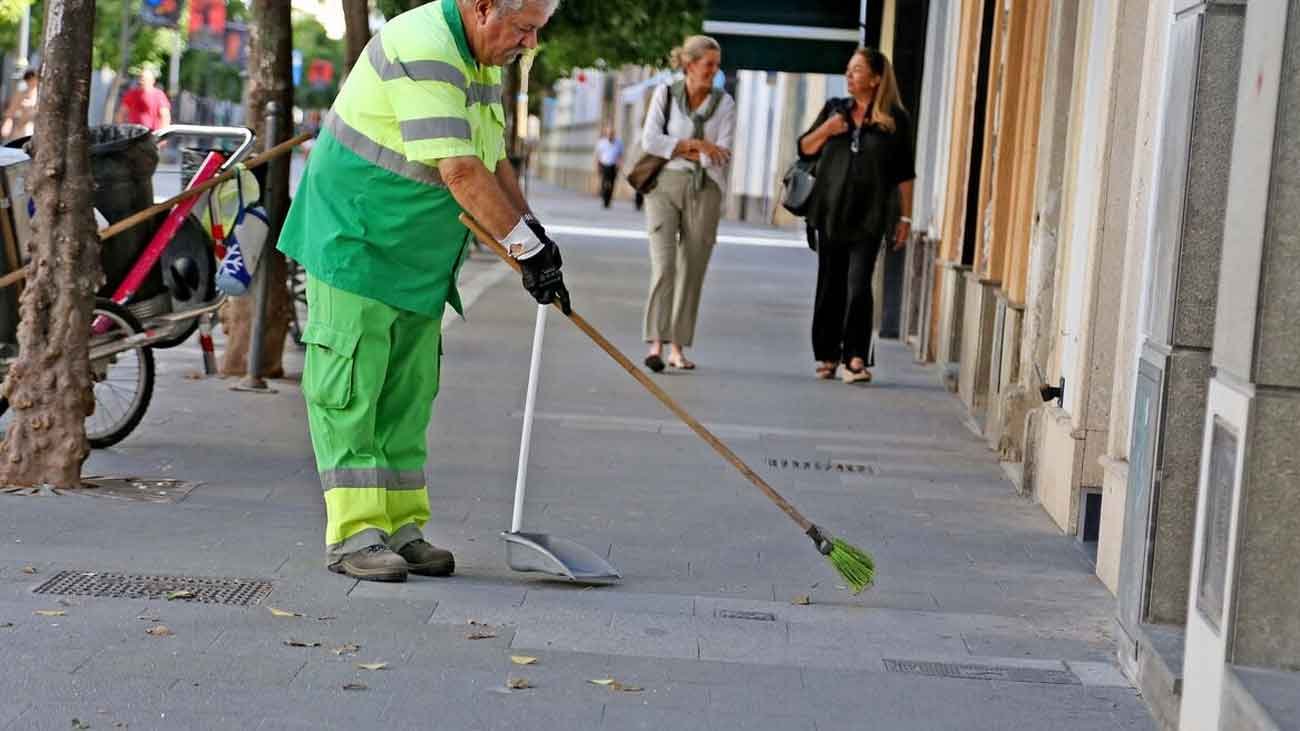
point(843, 312)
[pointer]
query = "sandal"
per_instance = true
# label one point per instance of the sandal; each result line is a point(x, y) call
point(826, 372)
point(859, 376)
point(681, 364)
point(654, 363)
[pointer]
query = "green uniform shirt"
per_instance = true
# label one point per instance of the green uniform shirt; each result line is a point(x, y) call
point(372, 215)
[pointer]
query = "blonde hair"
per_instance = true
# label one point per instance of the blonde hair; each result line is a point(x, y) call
point(887, 99)
point(692, 49)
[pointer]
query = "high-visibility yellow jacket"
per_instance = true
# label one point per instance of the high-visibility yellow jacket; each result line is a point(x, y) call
point(371, 215)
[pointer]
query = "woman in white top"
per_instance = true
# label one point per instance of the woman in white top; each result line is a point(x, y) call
point(691, 124)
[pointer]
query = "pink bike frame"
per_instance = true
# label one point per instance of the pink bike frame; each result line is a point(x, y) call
point(161, 238)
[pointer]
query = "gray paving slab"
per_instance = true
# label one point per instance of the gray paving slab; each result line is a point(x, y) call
point(966, 568)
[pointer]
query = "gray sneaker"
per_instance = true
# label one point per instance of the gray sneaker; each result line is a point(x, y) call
point(372, 563)
point(426, 559)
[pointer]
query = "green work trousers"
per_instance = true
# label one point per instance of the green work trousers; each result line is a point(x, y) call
point(370, 381)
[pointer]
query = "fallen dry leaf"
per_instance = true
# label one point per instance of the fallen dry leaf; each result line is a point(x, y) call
point(372, 665)
point(476, 623)
point(77, 723)
point(348, 649)
point(801, 600)
point(159, 630)
point(522, 660)
point(300, 643)
point(480, 635)
point(182, 594)
point(193, 376)
point(616, 686)
point(121, 724)
point(29, 570)
point(50, 613)
point(518, 684)
point(283, 613)
point(355, 686)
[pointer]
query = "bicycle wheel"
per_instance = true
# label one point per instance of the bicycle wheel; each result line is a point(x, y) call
point(123, 381)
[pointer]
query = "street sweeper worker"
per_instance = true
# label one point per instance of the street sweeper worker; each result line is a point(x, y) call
point(415, 137)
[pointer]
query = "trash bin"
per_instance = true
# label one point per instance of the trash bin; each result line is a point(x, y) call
point(123, 158)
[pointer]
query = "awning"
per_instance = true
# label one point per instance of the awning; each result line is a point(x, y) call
point(799, 36)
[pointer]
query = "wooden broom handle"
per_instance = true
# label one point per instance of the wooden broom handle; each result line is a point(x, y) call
point(139, 217)
point(613, 352)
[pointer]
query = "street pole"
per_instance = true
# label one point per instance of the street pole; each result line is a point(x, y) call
point(24, 49)
point(862, 25)
point(24, 42)
point(174, 73)
point(253, 380)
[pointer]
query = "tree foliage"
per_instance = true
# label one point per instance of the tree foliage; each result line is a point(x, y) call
point(310, 39)
point(391, 8)
point(587, 33)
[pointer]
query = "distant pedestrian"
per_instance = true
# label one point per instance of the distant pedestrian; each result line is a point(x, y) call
point(146, 104)
point(683, 210)
point(20, 114)
point(609, 156)
point(863, 147)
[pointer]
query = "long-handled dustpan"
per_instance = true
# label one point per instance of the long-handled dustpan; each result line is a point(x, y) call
point(541, 552)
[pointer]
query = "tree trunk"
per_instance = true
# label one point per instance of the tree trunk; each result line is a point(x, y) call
point(356, 15)
point(49, 387)
point(270, 79)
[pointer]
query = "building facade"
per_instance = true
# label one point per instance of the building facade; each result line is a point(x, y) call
point(1103, 259)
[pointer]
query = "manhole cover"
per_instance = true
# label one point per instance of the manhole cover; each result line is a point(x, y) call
point(141, 489)
point(741, 614)
point(206, 589)
point(982, 672)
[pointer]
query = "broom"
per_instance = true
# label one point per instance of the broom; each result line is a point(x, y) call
point(853, 564)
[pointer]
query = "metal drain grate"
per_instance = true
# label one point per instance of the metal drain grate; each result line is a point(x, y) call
point(741, 614)
point(983, 672)
point(206, 589)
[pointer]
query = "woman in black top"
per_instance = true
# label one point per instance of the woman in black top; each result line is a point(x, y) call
point(863, 148)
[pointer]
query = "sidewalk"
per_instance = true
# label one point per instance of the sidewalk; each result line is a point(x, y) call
point(984, 617)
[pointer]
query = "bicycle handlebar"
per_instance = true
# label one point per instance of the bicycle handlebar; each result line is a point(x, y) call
point(198, 130)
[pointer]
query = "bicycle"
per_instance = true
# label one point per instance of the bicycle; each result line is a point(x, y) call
point(126, 328)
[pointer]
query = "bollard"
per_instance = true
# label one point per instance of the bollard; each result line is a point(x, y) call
point(253, 381)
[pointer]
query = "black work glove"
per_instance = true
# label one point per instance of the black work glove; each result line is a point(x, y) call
point(541, 271)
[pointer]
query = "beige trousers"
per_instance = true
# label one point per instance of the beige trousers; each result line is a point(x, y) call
point(683, 229)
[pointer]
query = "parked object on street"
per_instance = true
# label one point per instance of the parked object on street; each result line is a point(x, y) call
point(691, 125)
point(176, 256)
point(541, 552)
point(854, 565)
point(862, 146)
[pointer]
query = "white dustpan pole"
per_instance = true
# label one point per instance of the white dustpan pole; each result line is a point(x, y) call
point(530, 402)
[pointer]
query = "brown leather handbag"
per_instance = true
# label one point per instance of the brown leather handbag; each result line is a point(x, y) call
point(644, 174)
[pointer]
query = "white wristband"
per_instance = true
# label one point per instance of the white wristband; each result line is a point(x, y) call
point(523, 237)
point(905, 219)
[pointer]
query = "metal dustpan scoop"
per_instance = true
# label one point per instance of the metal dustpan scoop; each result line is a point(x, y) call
point(540, 552)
